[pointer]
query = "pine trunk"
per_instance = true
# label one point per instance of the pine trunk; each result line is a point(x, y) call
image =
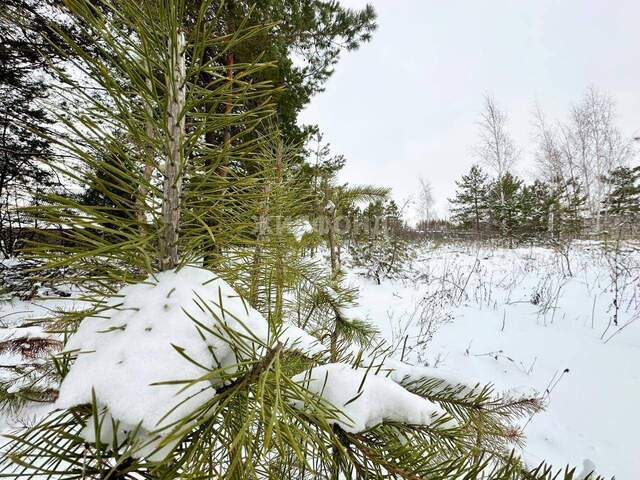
point(280, 280)
point(173, 167)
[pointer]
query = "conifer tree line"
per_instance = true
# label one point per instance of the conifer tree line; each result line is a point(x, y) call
point(515, 210)
point(167, 128)
point(585, 180)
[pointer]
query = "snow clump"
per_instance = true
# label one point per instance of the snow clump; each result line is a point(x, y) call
point(164, 329)
point(364, 398)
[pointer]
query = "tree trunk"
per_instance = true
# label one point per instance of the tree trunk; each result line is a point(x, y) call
point(477, 212)
point(280, 280)
point(335, 266)
point(176, 89)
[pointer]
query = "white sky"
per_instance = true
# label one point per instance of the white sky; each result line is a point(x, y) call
point(406, 104)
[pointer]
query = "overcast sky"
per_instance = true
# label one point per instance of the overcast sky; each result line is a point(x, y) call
point(406, 104)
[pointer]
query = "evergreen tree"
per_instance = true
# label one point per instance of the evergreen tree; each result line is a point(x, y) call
point(338, 201)
point(304, 45)
point(535, 206)
point(506, 206)
point(624, 197)
point(382, 251)
point(253, 404)
point(22, 92)
point(314, 173)
point(302, 51)
point(470, 203)
point(566, 213)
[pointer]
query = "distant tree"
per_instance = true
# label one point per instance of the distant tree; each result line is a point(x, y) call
point(337, 202)
point(534, 208)
point(624, 197)
point(426, 201)
point(496, 148)
point(550, 211)
point(583, 150)
point(561, 151)
point(321, 163)
point(567, 210)
point(438, 224)
point(551, 162)
point(470, 203)
point(22, 89)
point(565, 218)
point(596, 147)
point(384, 251)
point(370, 221)
point(506, 207)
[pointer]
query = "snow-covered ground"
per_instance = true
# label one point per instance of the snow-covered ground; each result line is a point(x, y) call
point(19, 320)
point(515, 319)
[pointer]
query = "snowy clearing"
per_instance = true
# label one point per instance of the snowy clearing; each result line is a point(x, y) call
point(515, 319)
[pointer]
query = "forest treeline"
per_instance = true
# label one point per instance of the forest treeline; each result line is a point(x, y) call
point(586, 178)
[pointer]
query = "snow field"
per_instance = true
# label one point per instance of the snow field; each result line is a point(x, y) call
point(514, 318)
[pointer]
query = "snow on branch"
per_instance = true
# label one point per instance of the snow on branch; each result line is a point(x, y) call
point(364, 398)
point(159, 353)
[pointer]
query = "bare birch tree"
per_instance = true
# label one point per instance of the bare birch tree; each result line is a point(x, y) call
point(426, 201)
point(597, 146)
point(496, 148)
point(551, 163)
point(583, 150)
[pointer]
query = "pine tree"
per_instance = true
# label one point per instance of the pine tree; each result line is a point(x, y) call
point(338, 201)
point(381, 250)
point(321, 164)
point(535, 206)
point(470, 203)
point(261, 413)
point(566, 215)
point(22, 94)
point(624, 197)
point(506, 206)
point(304, 47)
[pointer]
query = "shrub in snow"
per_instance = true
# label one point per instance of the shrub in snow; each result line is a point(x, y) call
point(379, 258)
